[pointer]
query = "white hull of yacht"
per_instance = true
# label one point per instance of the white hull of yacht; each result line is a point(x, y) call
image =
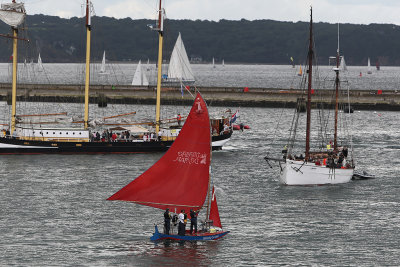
point(307, 173)
point(220, 143)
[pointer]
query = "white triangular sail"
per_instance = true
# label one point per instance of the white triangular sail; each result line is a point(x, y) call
point(103, 63)
point(39, 63)
point(343, 65)
point(140, 79)
point(179, 66)
point(223, 63)
point(369, 71)
point(13, 14)
point(213, 63)
point(148, 65)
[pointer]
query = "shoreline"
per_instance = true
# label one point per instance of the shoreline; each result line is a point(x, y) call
point(388, 100)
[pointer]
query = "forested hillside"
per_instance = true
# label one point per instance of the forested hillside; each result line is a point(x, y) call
point(258, 41)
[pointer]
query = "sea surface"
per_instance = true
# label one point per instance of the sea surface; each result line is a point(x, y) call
point(54, 210)
point(55, 213)
point(252, 76)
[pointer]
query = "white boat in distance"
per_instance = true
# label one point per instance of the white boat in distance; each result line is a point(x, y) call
point(39, 64)
point(343, 65)
point(103, 64)
point(140, 78)
point(369, 71)
point(179, 69)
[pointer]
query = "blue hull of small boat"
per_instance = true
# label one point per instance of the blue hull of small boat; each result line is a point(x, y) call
point(199, 237)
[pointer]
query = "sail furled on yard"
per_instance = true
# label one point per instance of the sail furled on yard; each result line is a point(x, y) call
point(214, 213)
point(12, 14)
point(179, 66)
point(180, 179)
point(140, 78)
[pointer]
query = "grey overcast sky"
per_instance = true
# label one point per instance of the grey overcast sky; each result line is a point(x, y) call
point(333, 11)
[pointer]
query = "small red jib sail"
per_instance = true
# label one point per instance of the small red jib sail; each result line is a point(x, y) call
point(214, 214)
point(180, 179)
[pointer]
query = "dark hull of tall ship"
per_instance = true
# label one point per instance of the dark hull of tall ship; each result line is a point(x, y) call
point(16, 146)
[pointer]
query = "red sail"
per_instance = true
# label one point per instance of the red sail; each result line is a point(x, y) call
point(179, 180)
point(214, 214)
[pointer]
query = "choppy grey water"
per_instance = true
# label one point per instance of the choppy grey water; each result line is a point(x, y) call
point(54, 211)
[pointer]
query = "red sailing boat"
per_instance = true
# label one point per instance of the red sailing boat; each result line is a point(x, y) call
point(180, 180)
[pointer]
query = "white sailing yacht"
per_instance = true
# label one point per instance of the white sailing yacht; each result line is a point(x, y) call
point(330, 165)
point(179, 69)
point(343, 65)
point(369, 71)
point(140, 78)
point(39, 64)
point(148, 65)
point(103, 64)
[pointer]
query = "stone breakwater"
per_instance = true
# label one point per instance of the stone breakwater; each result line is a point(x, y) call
point(215, 96)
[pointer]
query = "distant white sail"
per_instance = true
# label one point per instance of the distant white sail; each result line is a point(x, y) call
point(148, 65)
point(39, 64)
point(343, 65)
point(13, 14)
point(223, 63)
point(179, 66)
point(140, 79)
point(213, 63)
point(103, 63)
point(369, 71)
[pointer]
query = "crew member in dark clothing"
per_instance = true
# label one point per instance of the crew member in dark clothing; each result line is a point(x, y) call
point(167, 222)
point(345, 152)
point(193, 221)
point(340, 160)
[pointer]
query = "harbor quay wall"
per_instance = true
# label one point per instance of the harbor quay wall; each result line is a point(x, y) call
point(215, 96)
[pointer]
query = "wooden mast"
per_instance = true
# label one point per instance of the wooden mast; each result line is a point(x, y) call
point(14, 79)
point(310, 62)
point(209, 196)
point(87, 79)
point(337, 81)
point(159, 64)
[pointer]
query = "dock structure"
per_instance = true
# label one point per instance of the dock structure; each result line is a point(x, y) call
point(215, 96)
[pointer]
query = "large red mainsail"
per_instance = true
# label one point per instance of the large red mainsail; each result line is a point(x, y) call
point(180, 179)
point(214, 214)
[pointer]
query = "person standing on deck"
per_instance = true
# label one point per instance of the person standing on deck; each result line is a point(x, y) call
point(193, 221)
point(179, 119)
point(181, 226)
point(167, 221)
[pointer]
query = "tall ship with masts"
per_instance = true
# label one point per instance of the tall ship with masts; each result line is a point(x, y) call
point(20, 139)
point(329, 161)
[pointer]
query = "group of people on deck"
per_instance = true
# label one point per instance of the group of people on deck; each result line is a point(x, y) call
point(110, 136)
point(331, 158)
point(6, 133)
point(180, 220)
